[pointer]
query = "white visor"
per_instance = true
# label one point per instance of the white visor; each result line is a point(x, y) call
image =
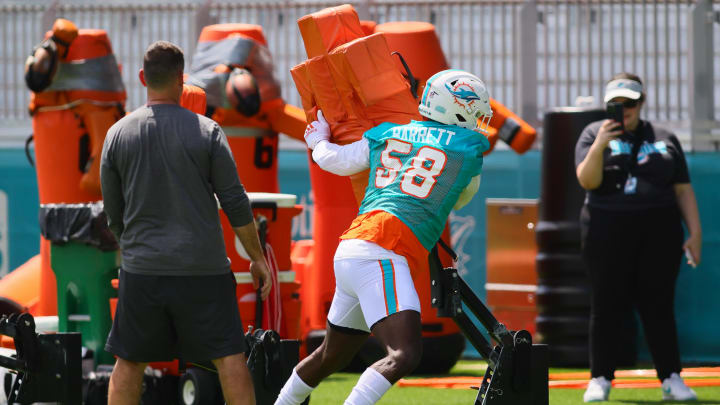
point(623, 88)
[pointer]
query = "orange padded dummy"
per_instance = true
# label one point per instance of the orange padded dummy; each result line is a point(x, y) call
point(253, 140)
point(70, 119)
point(85, 98)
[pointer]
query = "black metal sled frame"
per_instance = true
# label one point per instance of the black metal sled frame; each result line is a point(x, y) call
point(48, 366)
point(517, 372)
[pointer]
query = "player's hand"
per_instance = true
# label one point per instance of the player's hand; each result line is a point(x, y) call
point(609, 130)
point(692, 248)
point(260, 272)
point(317, 131)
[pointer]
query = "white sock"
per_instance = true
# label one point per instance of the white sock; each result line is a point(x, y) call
point(294, 391)
point(369, 388)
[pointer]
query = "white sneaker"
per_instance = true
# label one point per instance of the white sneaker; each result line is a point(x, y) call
point(598, 389)
point(673, 388)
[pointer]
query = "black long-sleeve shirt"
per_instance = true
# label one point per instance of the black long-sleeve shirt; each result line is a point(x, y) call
point(161, 167)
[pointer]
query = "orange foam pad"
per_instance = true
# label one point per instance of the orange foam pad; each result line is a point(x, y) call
point(340, 107)
point(525, 137)
point(367, 64)
point(56, 157)
point(492, 136)
point(216, 32)
point(357, 86)
point(368, 26)
point(23, 284)
point(301, 78)
point(193, 98)
point(418, 44)
point(326, 29)
point(289, 120)
point(65, 30)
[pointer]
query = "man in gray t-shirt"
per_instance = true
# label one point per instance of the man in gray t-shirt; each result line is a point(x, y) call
point(161, 170)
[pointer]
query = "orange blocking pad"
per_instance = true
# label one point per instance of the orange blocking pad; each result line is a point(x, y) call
point(326, 29)
point(22, 286)
point(366, 64)
point(288, 120)
point(512, 129)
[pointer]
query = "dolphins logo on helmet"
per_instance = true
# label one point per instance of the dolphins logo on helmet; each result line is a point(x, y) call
point(456, 97)
point(462, 93)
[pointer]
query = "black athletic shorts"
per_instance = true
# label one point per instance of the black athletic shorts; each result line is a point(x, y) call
point(161, 318)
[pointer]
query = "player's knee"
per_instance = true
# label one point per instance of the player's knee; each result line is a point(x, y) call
point(407, 359)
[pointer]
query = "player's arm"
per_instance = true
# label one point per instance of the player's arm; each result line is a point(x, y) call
point(111, 185)
point(342, 160)
point(468, 193)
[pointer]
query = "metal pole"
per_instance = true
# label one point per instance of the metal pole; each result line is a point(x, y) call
point(526, 90)
point(202, 19)
point(701, 53)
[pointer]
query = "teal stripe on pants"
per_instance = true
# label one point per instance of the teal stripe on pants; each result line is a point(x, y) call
point(389, 282)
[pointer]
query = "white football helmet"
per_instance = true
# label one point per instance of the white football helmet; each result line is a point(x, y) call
point(456, 97)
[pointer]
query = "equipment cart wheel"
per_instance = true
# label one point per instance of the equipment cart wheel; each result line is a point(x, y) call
point(198, 387)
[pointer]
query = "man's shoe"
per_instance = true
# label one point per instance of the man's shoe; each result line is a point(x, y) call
point(598, 390)
point(674, 388)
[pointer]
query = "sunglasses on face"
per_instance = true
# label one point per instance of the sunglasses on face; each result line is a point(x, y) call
point(629, 103)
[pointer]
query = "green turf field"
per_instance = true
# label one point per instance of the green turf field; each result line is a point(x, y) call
point(335, 389)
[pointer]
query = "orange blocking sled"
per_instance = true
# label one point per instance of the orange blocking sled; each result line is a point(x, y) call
point(355, 81)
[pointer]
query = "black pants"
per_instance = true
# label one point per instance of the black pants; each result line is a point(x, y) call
point(633, 259)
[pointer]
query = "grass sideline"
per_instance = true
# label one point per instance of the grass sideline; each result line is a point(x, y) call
point(336, 388)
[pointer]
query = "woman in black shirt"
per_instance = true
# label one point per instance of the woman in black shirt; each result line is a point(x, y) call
point(638, 195)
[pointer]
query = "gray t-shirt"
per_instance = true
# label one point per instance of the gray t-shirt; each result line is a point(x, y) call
point(162, 166)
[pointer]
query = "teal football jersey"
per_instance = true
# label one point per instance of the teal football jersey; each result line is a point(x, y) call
point(418, 170)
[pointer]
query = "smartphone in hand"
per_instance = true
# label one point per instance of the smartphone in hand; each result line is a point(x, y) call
point(615, 113)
